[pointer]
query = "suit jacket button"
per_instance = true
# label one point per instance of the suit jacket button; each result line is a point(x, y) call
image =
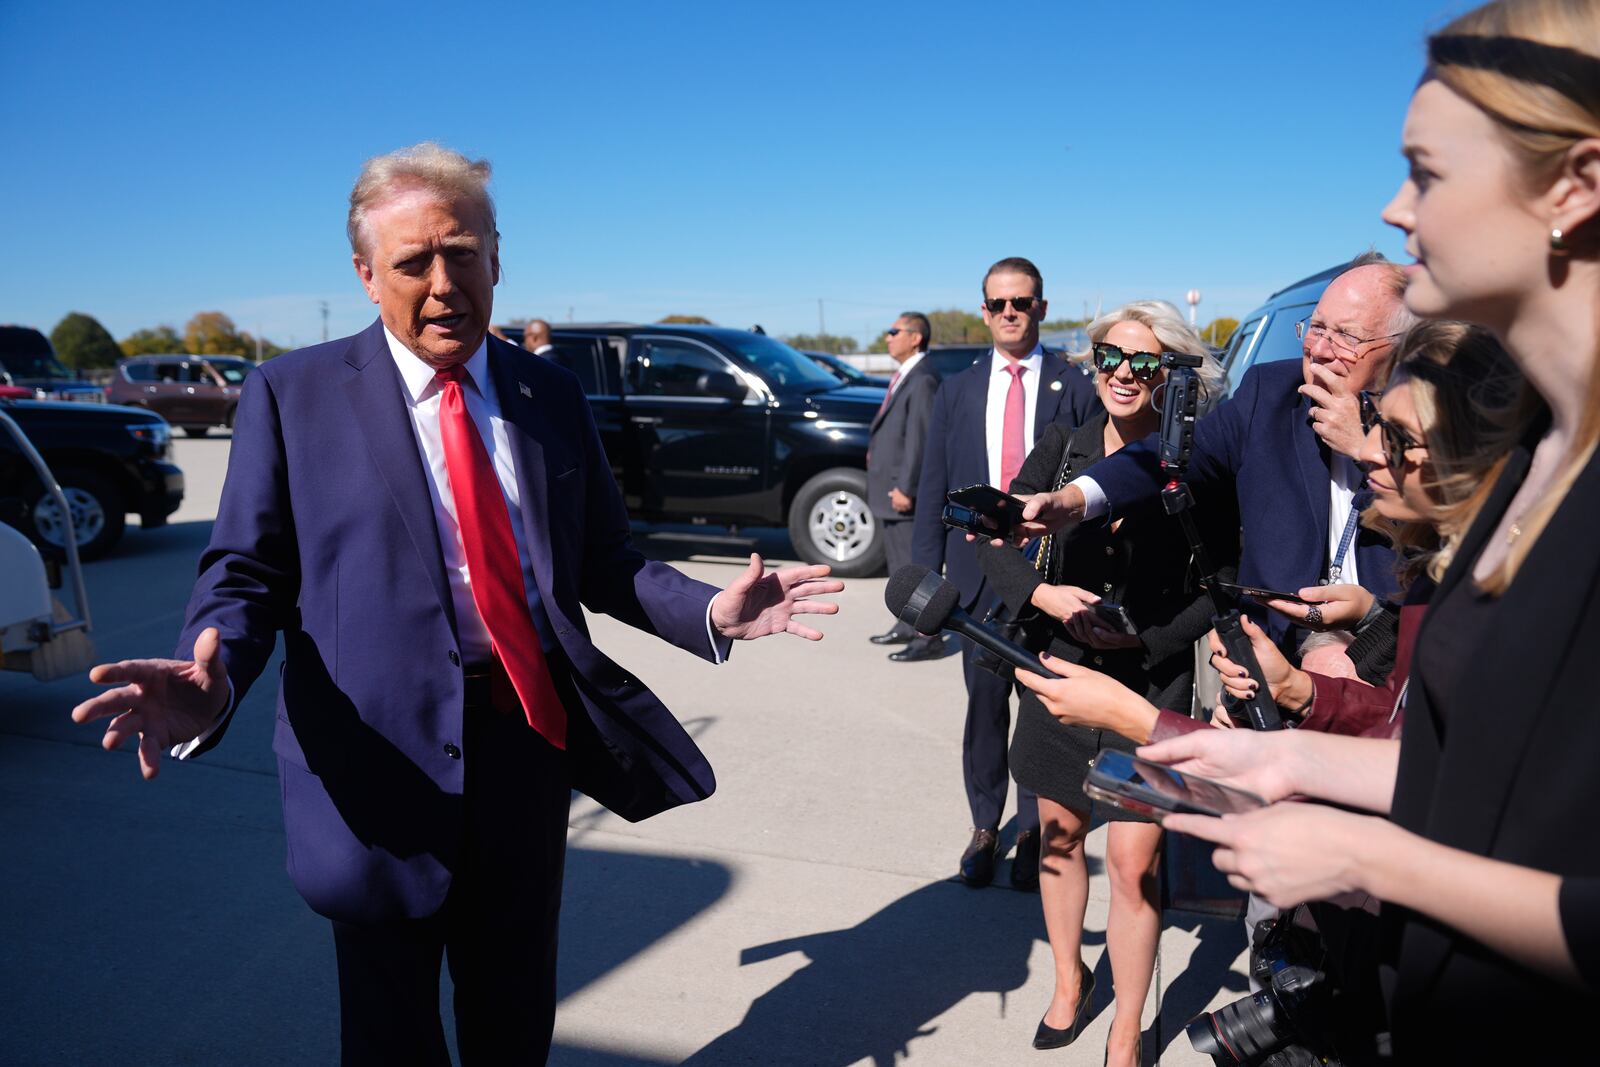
point(455, 660)
point(1111, 550)
point(452, 751)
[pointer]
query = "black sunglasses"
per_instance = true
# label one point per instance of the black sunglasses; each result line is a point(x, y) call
point(1108, 357)
point(1023, 304)
point(1396, 441)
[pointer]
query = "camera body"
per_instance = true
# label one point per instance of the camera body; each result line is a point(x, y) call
point(1288, 1023)
point(1180, 400)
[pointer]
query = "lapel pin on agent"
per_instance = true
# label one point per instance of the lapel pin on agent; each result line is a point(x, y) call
point(525, 390)
point(1055, 386)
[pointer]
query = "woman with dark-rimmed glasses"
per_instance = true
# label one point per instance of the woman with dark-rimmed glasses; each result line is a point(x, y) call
point(1116, 599)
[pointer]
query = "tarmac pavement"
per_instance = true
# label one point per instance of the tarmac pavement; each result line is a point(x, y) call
point(805, 914)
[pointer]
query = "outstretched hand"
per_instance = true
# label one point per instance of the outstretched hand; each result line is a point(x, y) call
point(164, 702)
point(757, 604)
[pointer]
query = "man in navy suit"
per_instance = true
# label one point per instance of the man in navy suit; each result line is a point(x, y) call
point(424, 512)
point(1284, 443)
point(985, 421)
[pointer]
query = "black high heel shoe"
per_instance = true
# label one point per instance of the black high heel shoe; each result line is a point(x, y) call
point(1047, 1036)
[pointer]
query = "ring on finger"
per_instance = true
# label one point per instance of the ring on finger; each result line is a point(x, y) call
point(1314, 615)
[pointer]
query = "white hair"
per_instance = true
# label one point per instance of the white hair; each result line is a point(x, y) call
point(1167, 323)
point(427, 166)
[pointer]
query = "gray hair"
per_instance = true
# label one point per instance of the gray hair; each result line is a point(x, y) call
point(450, 175)
point(1401, 319)
point(1167, 323)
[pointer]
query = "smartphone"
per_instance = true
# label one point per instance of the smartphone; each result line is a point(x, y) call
point(1115, 616)
point(1152, 790)
point(1257, 593)
point(964, 518)
point(1001, 509)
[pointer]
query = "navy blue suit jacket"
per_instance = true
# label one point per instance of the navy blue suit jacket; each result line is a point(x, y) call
point(1259, 445)
point(326, 533)
point(957, 455)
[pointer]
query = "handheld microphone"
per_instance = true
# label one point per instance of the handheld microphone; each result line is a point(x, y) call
point(923, 600)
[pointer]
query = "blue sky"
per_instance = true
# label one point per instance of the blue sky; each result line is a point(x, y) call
point(738, 161)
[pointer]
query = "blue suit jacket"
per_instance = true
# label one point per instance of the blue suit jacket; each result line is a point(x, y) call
point(1258, 444)
point(326, 532)
point(957, 455)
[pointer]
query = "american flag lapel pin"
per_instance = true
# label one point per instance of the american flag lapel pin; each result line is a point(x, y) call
point(523, 386)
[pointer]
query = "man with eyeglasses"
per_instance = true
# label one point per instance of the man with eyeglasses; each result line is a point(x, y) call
point(985, 421)
point(894, 453)
point(1284, 443)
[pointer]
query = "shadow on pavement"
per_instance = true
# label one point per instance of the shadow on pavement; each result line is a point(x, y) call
point(870, 990)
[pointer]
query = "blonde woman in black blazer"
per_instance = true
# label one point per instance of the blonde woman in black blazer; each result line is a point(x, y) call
point(1489, 861)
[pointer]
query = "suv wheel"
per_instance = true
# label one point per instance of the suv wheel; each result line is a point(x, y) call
point(98, 515)
point(830, 522)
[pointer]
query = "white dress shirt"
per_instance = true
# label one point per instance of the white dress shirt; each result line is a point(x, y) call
point(904, 369)
point(994, 419)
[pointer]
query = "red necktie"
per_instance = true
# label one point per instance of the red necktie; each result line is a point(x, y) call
point(493, 565)
point(1012, 447)
point(889, 392)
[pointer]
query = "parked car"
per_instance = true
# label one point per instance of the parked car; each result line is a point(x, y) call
point(110, 462)
point(194, 392)
point(711, 425)
point(29, 362)
point(846, 373)
point(953, 359)
point(1267, 333)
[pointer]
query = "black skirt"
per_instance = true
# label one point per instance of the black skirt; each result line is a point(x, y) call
point(1052, 758)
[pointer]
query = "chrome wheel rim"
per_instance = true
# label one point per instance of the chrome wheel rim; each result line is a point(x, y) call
point(842, 527)
point(88, 517)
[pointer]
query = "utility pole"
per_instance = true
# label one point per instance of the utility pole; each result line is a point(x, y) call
point(324, 304)
point(822, 326)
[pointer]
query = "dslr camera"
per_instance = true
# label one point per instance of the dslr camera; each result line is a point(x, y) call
point(1288, 1023)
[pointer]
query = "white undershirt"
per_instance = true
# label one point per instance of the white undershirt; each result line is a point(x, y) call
point(904, 369)
point(994, 419)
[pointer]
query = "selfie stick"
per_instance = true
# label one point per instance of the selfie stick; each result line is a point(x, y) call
point(1180, 399)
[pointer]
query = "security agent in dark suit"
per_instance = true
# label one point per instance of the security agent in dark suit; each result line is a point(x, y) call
point(985, 421)
point(1283, 445)
point(424, 513)
point(894, 455)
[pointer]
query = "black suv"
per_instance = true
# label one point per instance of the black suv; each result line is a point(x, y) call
point(109, 461)
point(27, 360)
point(704, 424)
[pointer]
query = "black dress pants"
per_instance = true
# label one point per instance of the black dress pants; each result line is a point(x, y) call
point(986, 744)
point(497, 928)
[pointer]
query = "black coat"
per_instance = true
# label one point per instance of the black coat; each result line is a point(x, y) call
point(1502, 758)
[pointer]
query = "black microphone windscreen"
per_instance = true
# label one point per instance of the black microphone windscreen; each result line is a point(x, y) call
point(902, 583)
point(932, 618)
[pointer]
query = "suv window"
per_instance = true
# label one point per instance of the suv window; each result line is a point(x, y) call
point(139, 372)
point(1237, 358)
point(577, 354)
point(778, 363)
point(233, 371)
point(26, 353)
point(673, 368)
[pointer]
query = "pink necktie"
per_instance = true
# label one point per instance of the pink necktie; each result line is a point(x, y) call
point(1012, 447)
point(889, 392)
point(493, 563)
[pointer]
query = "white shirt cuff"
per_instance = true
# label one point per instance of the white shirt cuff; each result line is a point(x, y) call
point(185, 750)
point(1095, 503)
point(721, 646)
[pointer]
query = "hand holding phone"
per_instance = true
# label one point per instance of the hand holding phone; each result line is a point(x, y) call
point(1002, 510)
point(1155, 791)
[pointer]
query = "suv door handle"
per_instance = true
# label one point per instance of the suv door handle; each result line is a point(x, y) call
point(149, 388)
point(190, 390)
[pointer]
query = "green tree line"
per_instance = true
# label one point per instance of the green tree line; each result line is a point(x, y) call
point(82, 343)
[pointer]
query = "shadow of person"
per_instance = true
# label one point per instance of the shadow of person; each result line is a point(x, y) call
point(870, 990)
point(1208, 972)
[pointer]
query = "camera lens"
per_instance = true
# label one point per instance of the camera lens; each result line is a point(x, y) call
point(1237, 1032)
